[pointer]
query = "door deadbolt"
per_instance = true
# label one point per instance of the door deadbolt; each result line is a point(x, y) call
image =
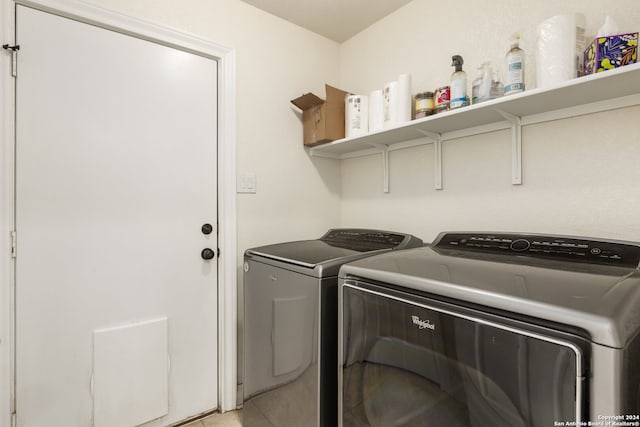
point(206, 228)
point(207, 254)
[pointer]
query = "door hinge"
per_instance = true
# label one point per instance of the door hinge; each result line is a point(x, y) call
point(14, 244)
point(14, 420)
point(14, 57)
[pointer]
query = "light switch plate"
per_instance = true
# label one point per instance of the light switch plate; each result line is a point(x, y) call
point(246, 183)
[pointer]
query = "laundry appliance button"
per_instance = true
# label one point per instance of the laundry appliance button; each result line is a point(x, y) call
point(520, 245)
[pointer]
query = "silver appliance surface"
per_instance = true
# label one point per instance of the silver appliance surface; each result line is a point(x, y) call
point(290, 324)
point(599, 295)
point(323, 257)
point(499, 329)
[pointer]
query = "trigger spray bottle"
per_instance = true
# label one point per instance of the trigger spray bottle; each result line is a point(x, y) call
point(458, 84)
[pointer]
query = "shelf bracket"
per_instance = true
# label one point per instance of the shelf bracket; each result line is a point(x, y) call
point(437, 156)
point(384, 150)
point(385, 169)
point(516, 146)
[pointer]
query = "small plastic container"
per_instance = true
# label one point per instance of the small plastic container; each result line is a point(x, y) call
point(443, 95)
point(425, 104)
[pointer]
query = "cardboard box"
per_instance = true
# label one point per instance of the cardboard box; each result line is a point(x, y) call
point(606, 53)
point(322, 121)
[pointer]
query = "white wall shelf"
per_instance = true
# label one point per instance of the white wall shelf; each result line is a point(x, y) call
point(604, 91)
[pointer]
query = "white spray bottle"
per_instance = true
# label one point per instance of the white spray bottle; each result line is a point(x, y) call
point(458, 84)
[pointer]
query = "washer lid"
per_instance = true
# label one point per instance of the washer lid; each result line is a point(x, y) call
point(339, 245)
point(307, 253)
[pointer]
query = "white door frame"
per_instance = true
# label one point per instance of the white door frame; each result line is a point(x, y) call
point(227, 262)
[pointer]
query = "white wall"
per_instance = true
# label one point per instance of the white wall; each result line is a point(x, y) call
point(581, 175)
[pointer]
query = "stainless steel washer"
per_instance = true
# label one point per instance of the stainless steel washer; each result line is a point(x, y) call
point(291, 325)
point(492, 329)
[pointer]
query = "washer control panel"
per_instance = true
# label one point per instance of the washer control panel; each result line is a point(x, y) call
point(625, 254)
point(370, 239)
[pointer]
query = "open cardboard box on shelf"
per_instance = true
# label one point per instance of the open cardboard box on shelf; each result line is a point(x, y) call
point(322, 120)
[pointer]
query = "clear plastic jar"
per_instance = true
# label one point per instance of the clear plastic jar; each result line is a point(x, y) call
point(425, 104)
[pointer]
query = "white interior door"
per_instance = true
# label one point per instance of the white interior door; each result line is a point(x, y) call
point(116, 310)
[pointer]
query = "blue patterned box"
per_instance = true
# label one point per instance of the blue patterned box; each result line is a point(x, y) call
point(606, 53)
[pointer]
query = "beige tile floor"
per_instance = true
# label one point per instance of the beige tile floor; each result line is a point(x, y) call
point(228, 419)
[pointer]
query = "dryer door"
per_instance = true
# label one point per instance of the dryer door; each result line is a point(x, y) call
point(412, 361)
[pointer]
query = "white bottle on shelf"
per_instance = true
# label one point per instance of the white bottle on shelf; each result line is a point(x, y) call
point(514, 82)
point(458, 84)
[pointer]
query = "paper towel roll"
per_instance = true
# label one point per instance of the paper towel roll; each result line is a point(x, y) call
point(559, 49)
point(390, 104)
point(404, 98)
point(376, 111)
point(356, 115)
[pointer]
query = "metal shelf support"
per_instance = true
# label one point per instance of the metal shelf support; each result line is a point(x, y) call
point(384, 151)
point(437, 157)
point(385, 169)
point(516, 146)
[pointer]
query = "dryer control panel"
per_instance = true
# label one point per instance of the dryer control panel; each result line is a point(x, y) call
point(607, 252)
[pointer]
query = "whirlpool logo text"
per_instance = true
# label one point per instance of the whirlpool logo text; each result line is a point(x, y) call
point(423, 324)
